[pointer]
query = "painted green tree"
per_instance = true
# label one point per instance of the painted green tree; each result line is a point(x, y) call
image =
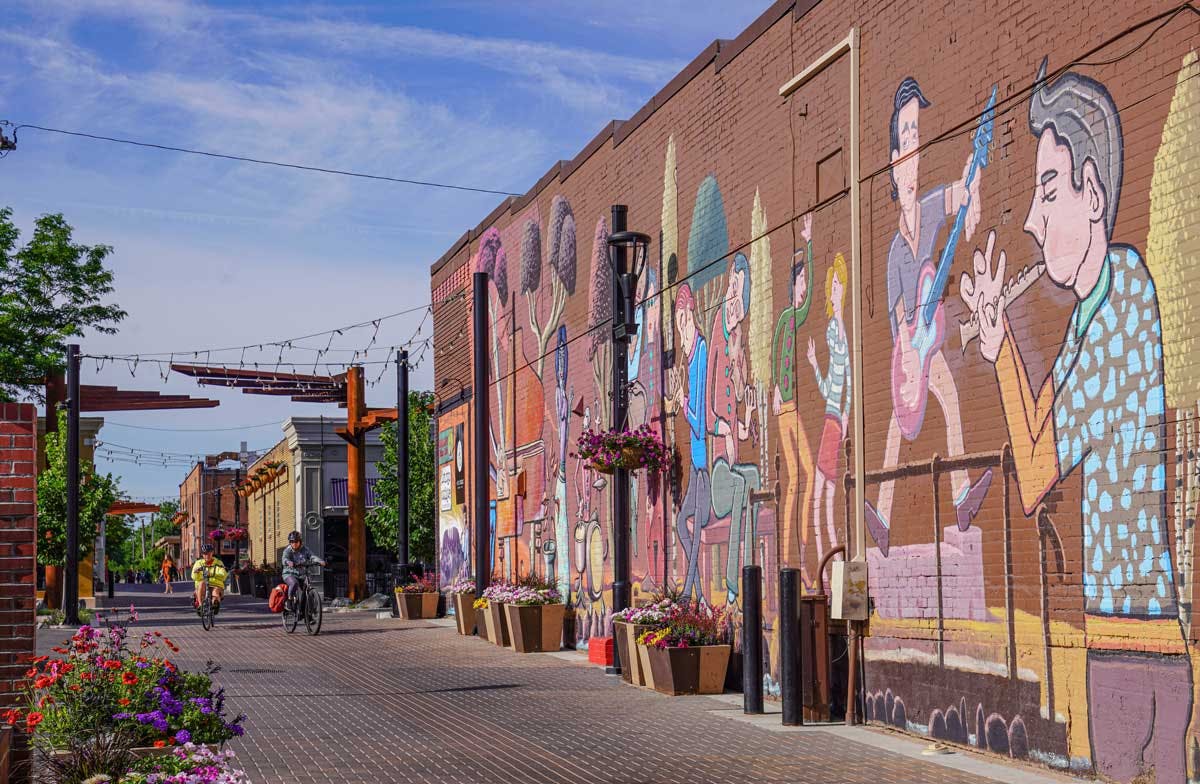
point(382, 520)
point(52, 289)
point(96, 494)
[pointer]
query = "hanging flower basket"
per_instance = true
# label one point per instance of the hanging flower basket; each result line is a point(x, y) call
point(216, 534)
point(634, 450)
point(235, 534)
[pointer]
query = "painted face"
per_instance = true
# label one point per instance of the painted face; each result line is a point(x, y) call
point(734, 310)
point(837, 294)
point(1060, 217)
point(653, 314)
point(799, 288)
point(687, 329)
point(904, 172)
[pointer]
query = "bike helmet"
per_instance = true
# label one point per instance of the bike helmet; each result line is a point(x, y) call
point(208, 548)
point(294, 536)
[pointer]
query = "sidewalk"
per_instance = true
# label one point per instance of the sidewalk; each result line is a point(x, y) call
point(382, 700)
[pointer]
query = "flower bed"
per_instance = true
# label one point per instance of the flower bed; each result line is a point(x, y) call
point(535, 617)
point(689, 652)
point(463, 593)
point(417, 598)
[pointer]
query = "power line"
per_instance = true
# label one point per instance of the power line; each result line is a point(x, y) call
point(276, 423)
point(260, 161)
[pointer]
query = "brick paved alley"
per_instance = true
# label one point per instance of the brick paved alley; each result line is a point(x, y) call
point(381, 700)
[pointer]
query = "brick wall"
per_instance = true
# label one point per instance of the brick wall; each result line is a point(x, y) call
point(1030, 497)
point(272, 508)
point(18, 489)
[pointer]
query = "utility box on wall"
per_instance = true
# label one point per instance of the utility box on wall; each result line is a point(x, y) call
point(849, 587)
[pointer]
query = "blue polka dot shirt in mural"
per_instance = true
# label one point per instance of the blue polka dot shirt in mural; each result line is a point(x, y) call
point(1108, 418)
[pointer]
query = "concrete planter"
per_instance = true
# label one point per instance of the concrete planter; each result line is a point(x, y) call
point(415, 606)
point(497, 621)
point(699, 670)
point(464, 613)
point(625, 635)
point(536, 628)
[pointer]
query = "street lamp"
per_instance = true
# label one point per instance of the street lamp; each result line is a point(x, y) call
point(622, 243)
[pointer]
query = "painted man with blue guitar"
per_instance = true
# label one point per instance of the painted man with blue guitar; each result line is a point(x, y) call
point(917, 278)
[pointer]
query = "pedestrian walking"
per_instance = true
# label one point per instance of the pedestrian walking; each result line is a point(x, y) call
point(168, 566)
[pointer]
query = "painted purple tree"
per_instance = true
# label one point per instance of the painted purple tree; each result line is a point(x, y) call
point(562, 268)
point(493, 260)
point(599, 317)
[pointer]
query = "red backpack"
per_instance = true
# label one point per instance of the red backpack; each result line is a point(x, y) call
point(278, 598)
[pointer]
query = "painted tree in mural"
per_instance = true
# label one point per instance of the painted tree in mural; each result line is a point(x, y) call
point(562, 268)
point(707, 244)
point(1172, 246)
point(492, 260)
point(599, 315)
point(761, 321)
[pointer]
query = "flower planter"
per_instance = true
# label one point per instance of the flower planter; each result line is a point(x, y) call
point(647, 673)
point(536, 628)
point(481, 623)
point(464, 613)
point(698, 670)
point(625, 636)
point(415, 606)
point(631, 457)
point(245, 581)
point(497, 621)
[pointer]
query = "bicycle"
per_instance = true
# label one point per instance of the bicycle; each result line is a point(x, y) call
point(207, 616)
point(306, 603)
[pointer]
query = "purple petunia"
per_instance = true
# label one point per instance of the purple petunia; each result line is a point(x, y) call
point(183, 736)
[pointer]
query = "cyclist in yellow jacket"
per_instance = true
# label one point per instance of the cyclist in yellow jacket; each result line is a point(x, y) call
point(216, 577)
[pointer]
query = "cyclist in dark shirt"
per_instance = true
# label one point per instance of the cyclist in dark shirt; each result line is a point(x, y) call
point(296, 557)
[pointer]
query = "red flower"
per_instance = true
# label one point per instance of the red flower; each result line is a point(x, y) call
point(31, 672)
point(32, 720)
point(87, 676)
point(42, 682)
point(128, 678)
point(112, 664)
point(45, 700)
point(123, 701)
point(40, 659)
point(57, 649)
point(11, 716)
point(158, 744)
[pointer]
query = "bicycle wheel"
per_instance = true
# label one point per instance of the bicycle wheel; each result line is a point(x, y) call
point(206, 616)
point(313, 612)
point(291, 617)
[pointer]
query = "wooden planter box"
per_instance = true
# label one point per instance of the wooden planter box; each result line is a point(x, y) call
point(497, 625)
point(464, 613)
point(536, 628)
point(141, 751)
point(415, 606)
point(625, 636)
point(647, 673)
point(699, 670)
point(481, 623)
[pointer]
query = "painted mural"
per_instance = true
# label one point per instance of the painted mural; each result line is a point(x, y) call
point(1030, 577)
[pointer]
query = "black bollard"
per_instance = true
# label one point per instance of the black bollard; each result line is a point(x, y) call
point(789, 647)
point(752, 663)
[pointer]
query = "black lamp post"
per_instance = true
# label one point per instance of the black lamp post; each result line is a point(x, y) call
point(622, 243)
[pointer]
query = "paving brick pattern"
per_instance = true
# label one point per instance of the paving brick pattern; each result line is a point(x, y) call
point(389, 701)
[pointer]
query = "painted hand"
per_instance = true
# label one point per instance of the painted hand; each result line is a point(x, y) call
point(812, 354)
point(911, 365)
point(983, 295)
point(806, 230)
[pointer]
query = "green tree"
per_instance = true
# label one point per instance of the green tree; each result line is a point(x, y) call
point(51, 290)
point(382, 520)
point(96, 494)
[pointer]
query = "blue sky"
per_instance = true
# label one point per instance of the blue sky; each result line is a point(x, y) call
point(212, 253)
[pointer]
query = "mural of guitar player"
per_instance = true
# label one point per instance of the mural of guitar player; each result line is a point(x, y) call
point(1100, 410)
point(915, 288)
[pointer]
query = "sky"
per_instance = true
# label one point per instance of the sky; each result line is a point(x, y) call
point(215, 254)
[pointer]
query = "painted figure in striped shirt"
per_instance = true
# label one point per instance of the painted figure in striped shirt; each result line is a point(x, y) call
point(835, 388)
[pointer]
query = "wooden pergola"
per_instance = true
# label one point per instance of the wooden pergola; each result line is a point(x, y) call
point(347, 390)
point(131, 507)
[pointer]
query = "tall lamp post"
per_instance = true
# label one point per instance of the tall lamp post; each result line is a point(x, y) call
point(627, 257)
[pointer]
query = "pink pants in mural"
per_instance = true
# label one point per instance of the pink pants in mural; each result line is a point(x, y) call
point(1139, 705)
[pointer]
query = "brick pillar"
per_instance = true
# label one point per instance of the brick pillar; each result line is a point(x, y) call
point(18, 490)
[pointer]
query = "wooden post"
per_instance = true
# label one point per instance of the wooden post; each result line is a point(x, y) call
point(356, 484)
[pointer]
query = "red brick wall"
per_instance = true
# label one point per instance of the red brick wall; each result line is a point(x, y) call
point(1005, 634)
point(18, 489)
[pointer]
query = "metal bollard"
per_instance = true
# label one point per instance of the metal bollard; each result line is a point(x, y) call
point(789, 647)
point(752, 664)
